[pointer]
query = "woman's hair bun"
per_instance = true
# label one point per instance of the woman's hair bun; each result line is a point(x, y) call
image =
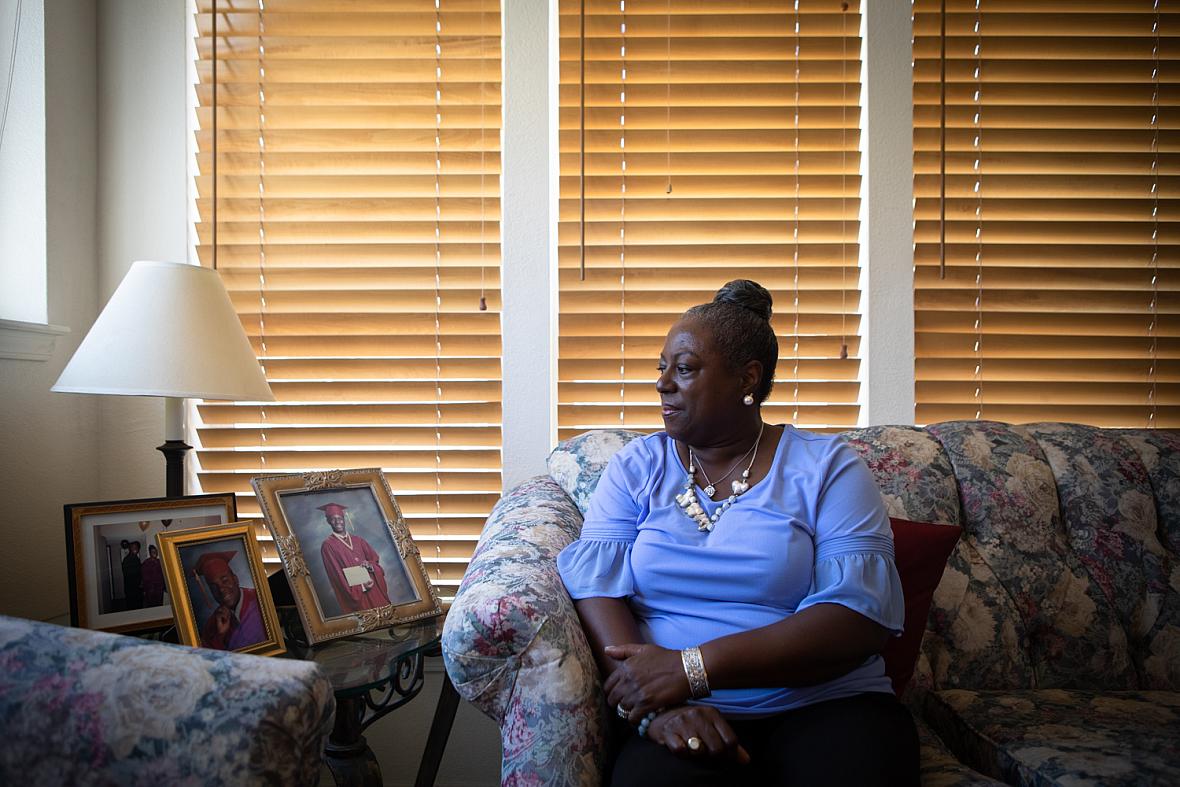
point(747, 294)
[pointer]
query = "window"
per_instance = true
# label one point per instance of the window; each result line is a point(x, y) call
point(717, 141)
point(358, 235)
point(1059, 297)
point(23, 283)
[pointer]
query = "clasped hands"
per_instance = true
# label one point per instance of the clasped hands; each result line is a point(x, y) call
point(648, 678)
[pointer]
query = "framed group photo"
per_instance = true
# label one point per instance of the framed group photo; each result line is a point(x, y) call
point(221, 597)
point(349, 557)
point(116, 578)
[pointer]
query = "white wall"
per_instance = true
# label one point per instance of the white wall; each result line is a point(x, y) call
point(22, 165)
point(143, 173)
point(529, 240)
point(48, 442)
point(887, 216)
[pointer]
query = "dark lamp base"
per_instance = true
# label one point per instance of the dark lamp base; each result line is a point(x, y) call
point(174, 451)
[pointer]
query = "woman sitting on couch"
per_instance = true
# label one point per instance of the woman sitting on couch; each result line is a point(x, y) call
point(736, 582)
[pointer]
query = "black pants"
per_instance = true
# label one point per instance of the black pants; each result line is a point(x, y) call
point(867, 739)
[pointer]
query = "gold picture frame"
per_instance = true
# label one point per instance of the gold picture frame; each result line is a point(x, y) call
point(349, 556)
point(221, 596)
point(98, 537)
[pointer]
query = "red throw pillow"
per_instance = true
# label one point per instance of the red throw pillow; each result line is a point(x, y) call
point(921, 551)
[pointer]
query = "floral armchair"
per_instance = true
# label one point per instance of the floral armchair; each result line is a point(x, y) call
point(85, 707)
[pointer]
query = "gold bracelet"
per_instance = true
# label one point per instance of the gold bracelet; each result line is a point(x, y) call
point(694, 670)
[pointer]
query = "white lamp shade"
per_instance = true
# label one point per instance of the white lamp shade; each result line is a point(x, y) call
point(169, 330)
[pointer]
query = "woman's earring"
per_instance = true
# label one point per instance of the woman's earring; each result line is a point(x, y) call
point(748, 400)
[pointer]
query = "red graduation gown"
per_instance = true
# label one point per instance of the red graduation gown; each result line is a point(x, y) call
point(337, 556)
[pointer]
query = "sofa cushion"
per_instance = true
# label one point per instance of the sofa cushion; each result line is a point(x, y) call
point(86, 707)
point(1159, 450)
point(1058, 736)
point(1108, 512)
point(577, 464)
point(911, 470)
point(920, 551)
point(940, 767)
point(1041, 608)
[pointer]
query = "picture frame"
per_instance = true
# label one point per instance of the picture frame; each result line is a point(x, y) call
point(350, 560)
point(221, 595)
point(98, 541)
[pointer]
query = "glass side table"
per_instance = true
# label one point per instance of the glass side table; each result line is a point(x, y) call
point(372, 675)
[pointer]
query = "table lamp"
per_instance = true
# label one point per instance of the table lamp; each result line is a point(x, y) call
point(169, 330)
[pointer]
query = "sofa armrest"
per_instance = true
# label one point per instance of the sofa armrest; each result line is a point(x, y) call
point(85, 707)
point(513, 645)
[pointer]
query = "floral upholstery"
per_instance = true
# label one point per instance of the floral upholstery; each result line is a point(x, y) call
point(939, 765)
point(914, 475)
point(578, 463)
point(1059, 736)
point(85, 707)
point(513, 645)
point(1109, 512)
point(1040, 606)
point(1066, 577)
point(1160, 453)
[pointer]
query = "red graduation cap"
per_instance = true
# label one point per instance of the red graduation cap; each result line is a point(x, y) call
point(333, 509)
point(211, 564)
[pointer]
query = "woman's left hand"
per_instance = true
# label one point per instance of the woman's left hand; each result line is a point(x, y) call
point(648, 678)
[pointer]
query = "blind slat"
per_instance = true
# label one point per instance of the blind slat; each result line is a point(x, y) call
point(380, 337)
point(736, 166)
point(1060, 298)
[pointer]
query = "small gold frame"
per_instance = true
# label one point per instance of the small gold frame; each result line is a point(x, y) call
point(179, 552)
point(331, 603)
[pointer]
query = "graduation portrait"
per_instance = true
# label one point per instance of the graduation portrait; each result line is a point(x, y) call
point(222, 600)
point(350, 559)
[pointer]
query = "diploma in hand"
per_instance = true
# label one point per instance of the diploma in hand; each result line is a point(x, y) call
point(357, 575)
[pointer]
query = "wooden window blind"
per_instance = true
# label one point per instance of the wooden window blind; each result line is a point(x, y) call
point(1060, 296)
point(718, 140)
point(358, 233)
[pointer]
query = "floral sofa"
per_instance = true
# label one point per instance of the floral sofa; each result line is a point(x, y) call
point(84, 707)
point(1052, 649)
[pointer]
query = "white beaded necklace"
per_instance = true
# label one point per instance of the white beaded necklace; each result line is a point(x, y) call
point(691, 505)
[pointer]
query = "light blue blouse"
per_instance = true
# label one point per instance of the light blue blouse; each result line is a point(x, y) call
point(814, 531)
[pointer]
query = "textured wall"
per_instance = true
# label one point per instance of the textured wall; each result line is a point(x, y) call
point(48, 441)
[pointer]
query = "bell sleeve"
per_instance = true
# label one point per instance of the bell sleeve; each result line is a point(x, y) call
point(598, 564)
point(854, 563)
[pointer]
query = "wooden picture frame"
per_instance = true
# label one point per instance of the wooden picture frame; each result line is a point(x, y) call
point(359, 573)
point(95, 555)
point(221, 596)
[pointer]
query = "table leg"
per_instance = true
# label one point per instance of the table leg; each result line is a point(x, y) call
point(440, 730)
point(347, 754)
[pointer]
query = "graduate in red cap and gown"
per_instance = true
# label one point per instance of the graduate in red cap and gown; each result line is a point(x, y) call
point(343, 550)
point(236, 621)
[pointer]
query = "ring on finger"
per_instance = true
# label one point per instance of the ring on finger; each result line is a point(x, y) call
point(694, 743)
point(622, 712)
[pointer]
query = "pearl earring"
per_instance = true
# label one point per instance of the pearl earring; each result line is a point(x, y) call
point(748, 400)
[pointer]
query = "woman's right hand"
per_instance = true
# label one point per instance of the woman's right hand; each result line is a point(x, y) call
point(674, 728)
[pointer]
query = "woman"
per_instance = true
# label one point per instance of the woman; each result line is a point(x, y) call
point(736, 583)
point(153, 579)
